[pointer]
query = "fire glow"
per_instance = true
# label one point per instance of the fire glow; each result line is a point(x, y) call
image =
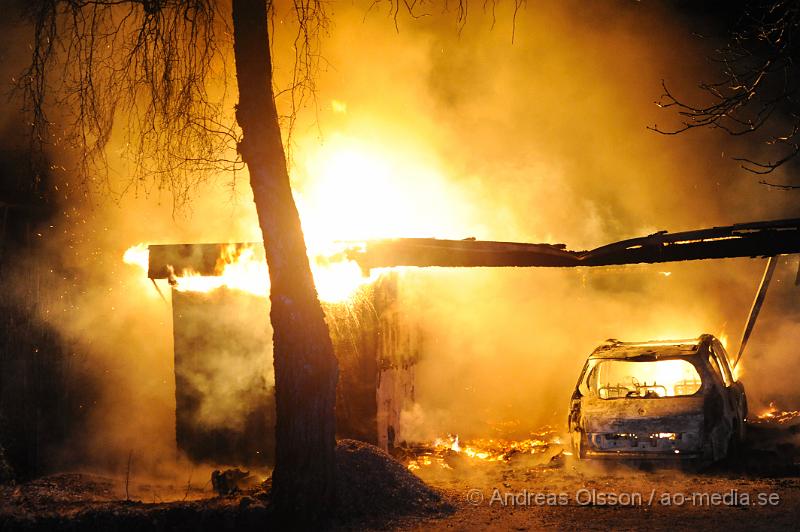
point(773, 414)
point(240, 268)
point(662, 378)
point(354, 191)
point(481, 450)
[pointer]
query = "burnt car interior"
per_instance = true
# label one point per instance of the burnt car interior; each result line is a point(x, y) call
point(632, 378)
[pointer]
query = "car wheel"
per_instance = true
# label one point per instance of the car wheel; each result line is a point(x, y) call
point(579, 443)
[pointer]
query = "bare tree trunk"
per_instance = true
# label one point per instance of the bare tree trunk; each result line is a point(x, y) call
point(305, 367)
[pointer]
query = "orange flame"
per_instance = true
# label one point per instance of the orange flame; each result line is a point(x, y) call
point(242, 268)
point(138, 255)
point(355, 190)
point(481, 449)
point(773, 414)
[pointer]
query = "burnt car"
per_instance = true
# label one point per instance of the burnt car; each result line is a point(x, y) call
point(655, 400)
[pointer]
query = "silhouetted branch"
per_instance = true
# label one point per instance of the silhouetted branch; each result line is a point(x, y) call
point(149, 62)
point(757, 84)
point(417, 9)
point(778, 186)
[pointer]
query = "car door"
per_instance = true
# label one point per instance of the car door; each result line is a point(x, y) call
point(734, 390)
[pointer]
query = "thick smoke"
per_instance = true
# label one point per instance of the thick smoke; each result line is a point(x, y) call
point(545, 140)
point(539, 140)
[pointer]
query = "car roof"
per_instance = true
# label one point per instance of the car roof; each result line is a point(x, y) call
point(657, 349)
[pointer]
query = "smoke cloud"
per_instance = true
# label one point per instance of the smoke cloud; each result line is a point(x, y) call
point(434, 131)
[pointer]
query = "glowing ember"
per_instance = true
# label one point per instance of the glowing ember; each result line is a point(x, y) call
point(775, 415)
point(481, 450)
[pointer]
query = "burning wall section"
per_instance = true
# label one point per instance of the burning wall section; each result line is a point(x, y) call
point(224, 389)
point(225, 410)
point(377, 346)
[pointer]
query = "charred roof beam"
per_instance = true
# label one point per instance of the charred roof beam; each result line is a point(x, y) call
point(756, 239)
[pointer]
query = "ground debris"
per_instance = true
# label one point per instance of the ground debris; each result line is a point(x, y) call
point(370, 482)
point(376, 492)
point(229, 481)
point(372, 488)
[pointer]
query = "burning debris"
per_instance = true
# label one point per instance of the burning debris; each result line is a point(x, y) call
point(444, 452)
point(774, 415)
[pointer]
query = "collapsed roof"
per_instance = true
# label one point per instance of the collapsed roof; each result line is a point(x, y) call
point(755, 239)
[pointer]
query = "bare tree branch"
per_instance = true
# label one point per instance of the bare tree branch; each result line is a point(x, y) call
point(756, 88)
point(781, 187)
point(149, 61)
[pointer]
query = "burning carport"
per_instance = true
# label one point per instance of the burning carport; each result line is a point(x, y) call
point(378, 346)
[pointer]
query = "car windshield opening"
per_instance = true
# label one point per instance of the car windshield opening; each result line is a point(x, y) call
point(614, 379)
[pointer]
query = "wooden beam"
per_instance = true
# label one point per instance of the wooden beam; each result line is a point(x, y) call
point(202, 259)
point(756, 239)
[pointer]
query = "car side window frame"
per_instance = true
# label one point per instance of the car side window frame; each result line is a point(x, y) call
point(725, 354)
point(583, 382)
point(713, 366)
point(722, 355)
point(721, 365)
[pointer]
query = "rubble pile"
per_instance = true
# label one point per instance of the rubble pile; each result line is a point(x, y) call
point(370, 482)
